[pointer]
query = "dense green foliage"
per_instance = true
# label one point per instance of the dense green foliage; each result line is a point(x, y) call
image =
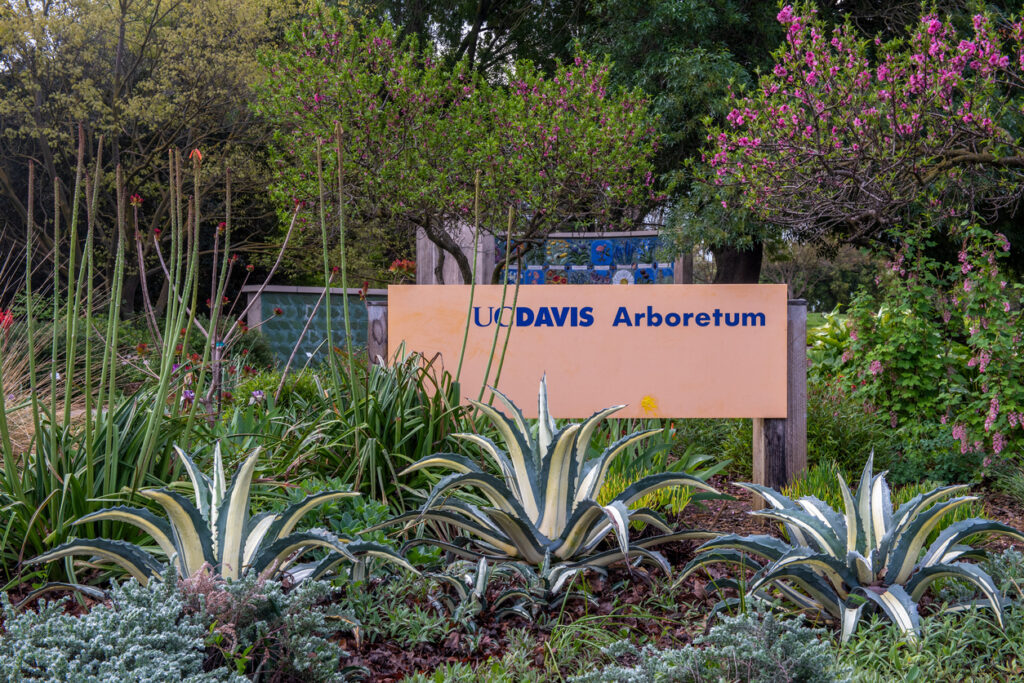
point(754, 647)
point(562, 151)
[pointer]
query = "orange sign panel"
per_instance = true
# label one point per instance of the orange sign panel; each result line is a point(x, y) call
point(664, 350)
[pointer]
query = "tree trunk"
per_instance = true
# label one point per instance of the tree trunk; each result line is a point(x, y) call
point(442, 239)
point(738, 266)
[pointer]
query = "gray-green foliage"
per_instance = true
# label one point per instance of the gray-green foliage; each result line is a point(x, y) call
point(394, 610)
point(952, 647)
point(142, 635)
point(759, 648)
point(258, 627)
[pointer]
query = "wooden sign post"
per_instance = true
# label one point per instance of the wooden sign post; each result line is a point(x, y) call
point(780, 444)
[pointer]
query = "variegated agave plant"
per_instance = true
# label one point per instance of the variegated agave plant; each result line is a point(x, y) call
point(838, 564)
point(218, 532)
point(542, 505)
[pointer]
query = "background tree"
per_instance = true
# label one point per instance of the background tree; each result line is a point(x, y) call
point(563, 151)
point(143, 76)
point(686, 57)
point(489, 34)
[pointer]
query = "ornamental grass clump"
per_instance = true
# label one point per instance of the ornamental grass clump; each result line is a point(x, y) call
point(542, 504)
point(836, 565)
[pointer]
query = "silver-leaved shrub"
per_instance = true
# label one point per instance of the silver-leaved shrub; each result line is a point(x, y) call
point(143, 635)
point(753, 647)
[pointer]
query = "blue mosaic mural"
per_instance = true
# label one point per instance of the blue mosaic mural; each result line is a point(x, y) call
point(632, 259)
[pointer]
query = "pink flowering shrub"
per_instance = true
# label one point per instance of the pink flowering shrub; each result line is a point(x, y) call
point(847, 135)
point(940, 347)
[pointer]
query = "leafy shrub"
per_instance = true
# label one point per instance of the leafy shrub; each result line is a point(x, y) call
point(939, 350)
point(952, 647)
point(300, 389)
point(759, 648)
point(393, 611)
point(256, 627)
point(143, 635)
point(841, 431)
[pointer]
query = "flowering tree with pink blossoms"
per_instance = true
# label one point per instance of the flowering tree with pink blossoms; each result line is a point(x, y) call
point(417, 134)
point(900, 143)
point(850, 138)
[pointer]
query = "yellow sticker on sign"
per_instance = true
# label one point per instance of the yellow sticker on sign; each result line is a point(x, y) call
point(664, 350)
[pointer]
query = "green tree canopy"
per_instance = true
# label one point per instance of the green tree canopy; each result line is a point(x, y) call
point(566, 151)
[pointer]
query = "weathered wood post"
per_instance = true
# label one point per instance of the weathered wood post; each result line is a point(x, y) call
point(377, 331)
point(780, 445)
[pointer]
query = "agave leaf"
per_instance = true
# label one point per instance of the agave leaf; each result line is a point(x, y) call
point(683, 535)
point(610, 557)
point(651, 517)
point(721, 556)
point(452, 461)
point(529, 545)
point(864, 506)
point(133, 559)
point(512, 594)
point(924, 577)
point(584, 438)
point(578, 528)
point(520, 454)
point(257, 531)
point(158, 529)
point(490, 486)
point(218, 488)
point(619, 516)
point(481, 526)
point(956, 532)
point(767, 547)
point(898, 606)
point(817, 593)
point(88, 591)
point(457, 550)
point(491, 450)
point(201, 484)
point(824, 536)
point(881, 508)
point(545, 423)
point(556, 476)
point(654, 482)
point(778, 502)
point(862, 566)
point(233, 518)
point(837, 573)
point(909, 510)
point(849, 621)
point(597, 469)
point(855, 537)
point(293, 514)
point(520, 420)
point(291, 547)
point(193, 535)
point(381, 552)
point(907, 546)
point(824, 513)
